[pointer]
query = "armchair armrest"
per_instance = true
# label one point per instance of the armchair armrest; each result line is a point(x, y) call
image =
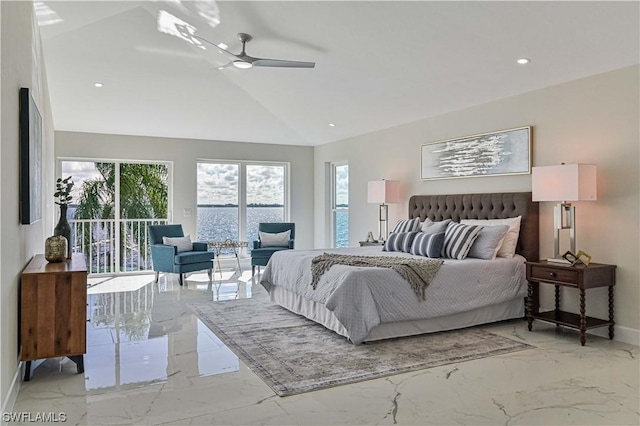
point(163, 257)
point(291, 243)
point(256, 244)
point(200, 246)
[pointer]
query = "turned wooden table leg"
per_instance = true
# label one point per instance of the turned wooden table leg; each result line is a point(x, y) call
point(557, 301)
point(529, 305)
point(611, 326)
point(583, 319)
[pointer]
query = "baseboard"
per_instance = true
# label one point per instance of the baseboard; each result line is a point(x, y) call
point(621, 334)
point(12, 395)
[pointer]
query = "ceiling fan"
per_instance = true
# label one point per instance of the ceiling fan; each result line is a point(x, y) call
point(244, 61)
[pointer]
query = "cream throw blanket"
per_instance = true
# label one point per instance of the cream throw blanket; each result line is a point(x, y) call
point(418, 273)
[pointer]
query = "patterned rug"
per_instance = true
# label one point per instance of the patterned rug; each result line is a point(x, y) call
point(293, 355)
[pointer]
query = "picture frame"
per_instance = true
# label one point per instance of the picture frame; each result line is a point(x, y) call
point(30, 159)
point(505, 152)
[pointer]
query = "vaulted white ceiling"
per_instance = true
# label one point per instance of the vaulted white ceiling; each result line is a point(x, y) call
point(378, 64)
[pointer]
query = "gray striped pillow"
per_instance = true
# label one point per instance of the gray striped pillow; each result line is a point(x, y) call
point(399, 241)
point(407, 225)
point(429, 245)
point(458, 239)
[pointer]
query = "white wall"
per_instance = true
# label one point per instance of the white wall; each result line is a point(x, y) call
point(184, 154)
point(21, 66)
point(593, 121)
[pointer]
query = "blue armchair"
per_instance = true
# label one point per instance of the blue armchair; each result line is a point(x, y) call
point(261, 254)
point(166, 258)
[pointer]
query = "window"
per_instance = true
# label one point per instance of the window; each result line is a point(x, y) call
point(265, 196)
point(218, 201)
point(234, 197)
point(113, 204)
point(340, 204)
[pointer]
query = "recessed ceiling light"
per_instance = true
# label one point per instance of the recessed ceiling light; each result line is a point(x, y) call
point(332, 125)
point(98, 84)
point(523, 61)
point(223, 46)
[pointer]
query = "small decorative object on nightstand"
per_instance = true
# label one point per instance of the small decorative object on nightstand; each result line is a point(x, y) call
point(579, 276)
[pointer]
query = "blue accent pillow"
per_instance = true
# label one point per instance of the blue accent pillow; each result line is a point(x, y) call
point(429, 245)
point(407, 225)
point(400, 241)
point(458, 239)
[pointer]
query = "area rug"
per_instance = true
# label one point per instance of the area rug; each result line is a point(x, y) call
point(293, 355)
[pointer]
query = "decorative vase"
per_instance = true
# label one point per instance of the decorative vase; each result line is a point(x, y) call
point(55, 249)
point(63, 228)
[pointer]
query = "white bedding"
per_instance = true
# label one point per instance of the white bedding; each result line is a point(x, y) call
point(361, 298)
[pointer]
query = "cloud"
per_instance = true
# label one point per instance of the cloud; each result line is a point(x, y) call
point(342, 184)
point(219, 183)
point(79, 172)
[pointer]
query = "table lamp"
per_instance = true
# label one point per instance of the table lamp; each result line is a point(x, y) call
point(564, 183)
point(383, 192)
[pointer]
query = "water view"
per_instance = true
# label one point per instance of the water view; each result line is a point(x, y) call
point(220, 223)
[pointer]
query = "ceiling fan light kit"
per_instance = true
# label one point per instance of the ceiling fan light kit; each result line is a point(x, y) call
point(242, 65)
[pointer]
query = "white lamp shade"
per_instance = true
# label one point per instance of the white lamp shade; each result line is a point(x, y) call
point(383, 191)
point(567, 182)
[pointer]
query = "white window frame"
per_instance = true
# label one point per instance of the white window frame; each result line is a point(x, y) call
point(242, 189)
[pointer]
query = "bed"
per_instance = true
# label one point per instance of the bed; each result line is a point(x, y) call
point(366, 304)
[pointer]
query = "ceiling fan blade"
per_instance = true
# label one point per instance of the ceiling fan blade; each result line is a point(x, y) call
point(225, 66)
point(260, 62)
point(226, 52)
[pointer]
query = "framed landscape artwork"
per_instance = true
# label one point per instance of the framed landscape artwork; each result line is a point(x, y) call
point(30, 159)
point(487, 154)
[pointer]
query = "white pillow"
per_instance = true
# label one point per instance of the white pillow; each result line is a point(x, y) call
point(489, 241)
point(182, 243)
point(508, 247)
point(281, 239)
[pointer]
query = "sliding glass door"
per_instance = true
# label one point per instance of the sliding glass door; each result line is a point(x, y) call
point(113, 205)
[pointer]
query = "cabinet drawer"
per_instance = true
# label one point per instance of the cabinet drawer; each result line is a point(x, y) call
point(553, 274)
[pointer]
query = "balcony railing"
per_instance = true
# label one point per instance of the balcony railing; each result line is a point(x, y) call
point(110, 247)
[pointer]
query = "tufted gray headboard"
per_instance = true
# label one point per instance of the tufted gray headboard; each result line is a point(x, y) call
point(484, 206)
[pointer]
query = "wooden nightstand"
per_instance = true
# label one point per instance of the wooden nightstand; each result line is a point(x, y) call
point(370, 243)
point(580, 277)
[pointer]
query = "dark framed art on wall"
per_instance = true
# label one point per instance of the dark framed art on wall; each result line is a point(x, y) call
point(30, 159)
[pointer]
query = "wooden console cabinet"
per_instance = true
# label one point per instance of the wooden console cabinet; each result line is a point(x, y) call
point(53, 311)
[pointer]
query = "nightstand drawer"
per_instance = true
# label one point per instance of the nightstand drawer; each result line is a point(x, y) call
point(553, 274)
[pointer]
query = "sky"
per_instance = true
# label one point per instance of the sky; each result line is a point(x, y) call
point(218, 184)
point(79, 171)
point(342, 184)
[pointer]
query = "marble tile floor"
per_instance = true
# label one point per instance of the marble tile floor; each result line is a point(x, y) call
point(151, 361)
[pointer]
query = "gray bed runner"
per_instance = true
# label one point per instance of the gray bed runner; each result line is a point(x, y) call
point(418, 273)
